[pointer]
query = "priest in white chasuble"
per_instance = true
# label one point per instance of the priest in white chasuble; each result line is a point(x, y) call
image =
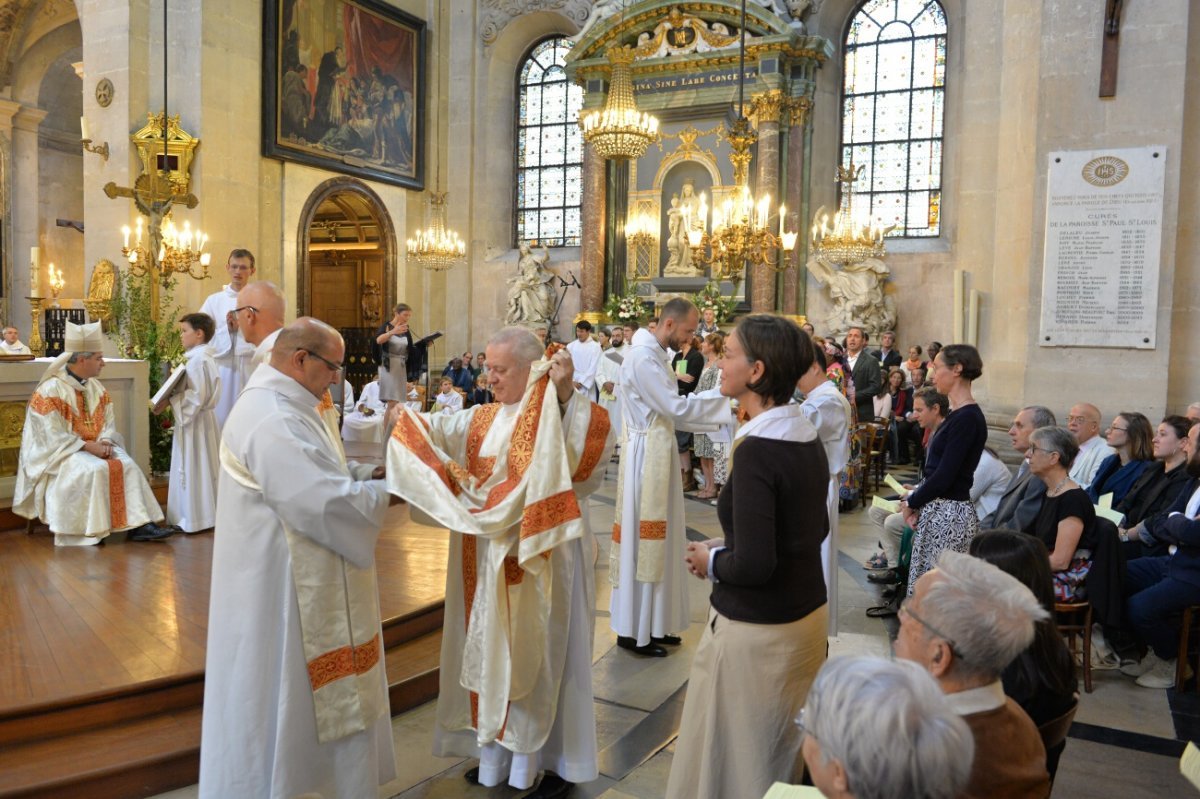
point(73, 472)
point(231, 351)
point(649, 601)
point(295, 697)
point(510, 479)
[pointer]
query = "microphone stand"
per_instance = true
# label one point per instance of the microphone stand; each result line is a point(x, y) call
point(564, 285)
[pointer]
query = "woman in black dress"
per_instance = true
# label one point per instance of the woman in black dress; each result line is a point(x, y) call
point(1067, 519)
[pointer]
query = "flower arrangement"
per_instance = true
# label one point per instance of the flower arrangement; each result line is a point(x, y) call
point(627, 307)
point(710, 297)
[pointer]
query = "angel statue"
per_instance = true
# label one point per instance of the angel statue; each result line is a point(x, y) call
point(530, 299)
point(856, 290)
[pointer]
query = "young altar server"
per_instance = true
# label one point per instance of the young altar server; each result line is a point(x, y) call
point(192, 495)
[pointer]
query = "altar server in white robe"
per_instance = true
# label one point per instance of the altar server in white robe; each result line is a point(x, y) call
point(585, 354)
point(12, 344)
point(649, 601)
point(828, 411)
point(608, 381)
point(192, 495)
point(512, 479)
point(73, 472)
point(231, 351)
point(364, 420)
point(295, 696)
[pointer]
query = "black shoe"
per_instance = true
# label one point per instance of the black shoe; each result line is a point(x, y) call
point(883, 577)
point(884, 611)
point(552, 786)
point(667, 640)
point(889, 592)
point(471, 775)
point(150, 532)
point(651, 650)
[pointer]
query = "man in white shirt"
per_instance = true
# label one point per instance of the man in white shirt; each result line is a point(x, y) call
point(585, 353)
point(12, 343)
point(1084, 423)
point(231, 354)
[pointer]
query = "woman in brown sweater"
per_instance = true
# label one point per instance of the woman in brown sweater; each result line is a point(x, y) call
point(765, 637)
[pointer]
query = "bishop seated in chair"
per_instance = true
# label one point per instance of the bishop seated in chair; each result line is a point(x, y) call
point(73, 473)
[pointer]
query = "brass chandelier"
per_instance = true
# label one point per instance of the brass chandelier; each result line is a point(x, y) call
point(436, 247)
point(619, 130)
point(845, 243)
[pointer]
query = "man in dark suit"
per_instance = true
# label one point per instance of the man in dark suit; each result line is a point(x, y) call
point(864, 370)
point(1022, 500)
point(888, 355)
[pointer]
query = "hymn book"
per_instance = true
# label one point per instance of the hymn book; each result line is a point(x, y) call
point(173, 384)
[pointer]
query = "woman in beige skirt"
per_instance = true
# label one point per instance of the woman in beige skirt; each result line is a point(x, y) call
point(765, 638)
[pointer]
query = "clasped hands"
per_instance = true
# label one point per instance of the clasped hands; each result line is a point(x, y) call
point(101, 449)
point(696, 557)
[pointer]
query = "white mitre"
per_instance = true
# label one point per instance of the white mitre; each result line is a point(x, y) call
point(79, 338)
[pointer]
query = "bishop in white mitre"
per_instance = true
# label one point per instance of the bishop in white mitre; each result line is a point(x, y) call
point(73, 472)
point(295, 698)
point(649, 602)
point(509, 479)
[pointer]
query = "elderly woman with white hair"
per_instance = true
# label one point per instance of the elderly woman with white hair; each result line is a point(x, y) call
point(878, 728)
point(965, 622)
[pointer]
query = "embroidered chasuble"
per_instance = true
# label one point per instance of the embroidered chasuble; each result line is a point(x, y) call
point(509, 482)
point(295, 690)
point(81, 497)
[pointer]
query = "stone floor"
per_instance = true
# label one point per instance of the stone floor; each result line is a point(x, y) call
point(1126, 740)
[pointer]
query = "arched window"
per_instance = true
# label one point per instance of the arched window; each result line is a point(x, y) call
point(549, 148)
point(892, 99)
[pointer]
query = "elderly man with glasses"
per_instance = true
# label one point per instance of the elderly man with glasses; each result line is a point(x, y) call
point(1083, 421)
point(966, 621)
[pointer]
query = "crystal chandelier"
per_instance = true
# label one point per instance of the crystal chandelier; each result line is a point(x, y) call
point(177, 251)
point(846, 243)
point(437, 247)
point(619, 130)
point(741, 233)
point(640, 230)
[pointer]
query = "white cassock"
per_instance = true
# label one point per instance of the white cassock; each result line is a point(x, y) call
point(830, 413)
point(192, 496)
point(516, 676)
point(232, 354)
point(81, 497)
point(347, 397)
point(650, 594)
point(17, 348)
point(450, 402)
point(357, 425)
point(609, 371)
point(586, 357)
point(295, 696)
point(325, 407)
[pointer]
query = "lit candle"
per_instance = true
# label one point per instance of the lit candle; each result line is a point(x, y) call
point(83, 129)
point(35, 284)
point(782, 211)
point(125, 232)
point(139, 232)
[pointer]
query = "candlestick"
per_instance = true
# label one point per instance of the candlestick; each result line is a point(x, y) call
point(83, 129)
point(35, 284)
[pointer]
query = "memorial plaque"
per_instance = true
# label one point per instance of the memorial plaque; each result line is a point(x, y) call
point(1103, 248)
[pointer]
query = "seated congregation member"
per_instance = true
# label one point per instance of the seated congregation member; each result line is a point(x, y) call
point(1042, 678)
point(1083, 421)
point(72, 472)
point(1022, 499)
point(1066, 522)
point(882, 402)
point(1132, 438)
point(940, 508)
point(879, 729)
point(1193, 412)
point(913, 363)
point(459, 375)
point(195, 446)
point(900, 399)
point(1146, 504)
point(1157, 589)
point(989, 483)
point(965, 623)
point(447, 400)
point(768, 617)
point(481, 394)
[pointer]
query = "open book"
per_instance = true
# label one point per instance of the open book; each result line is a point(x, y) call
point(175, 383)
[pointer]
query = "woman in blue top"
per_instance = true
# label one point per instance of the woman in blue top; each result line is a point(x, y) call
point(940, 510)
point(1131, 435)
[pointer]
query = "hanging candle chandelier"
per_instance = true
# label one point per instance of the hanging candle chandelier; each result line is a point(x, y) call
point(436, 247)
point(846, 242)
point(619, 130)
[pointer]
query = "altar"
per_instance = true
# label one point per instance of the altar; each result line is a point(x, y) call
point(127, 382)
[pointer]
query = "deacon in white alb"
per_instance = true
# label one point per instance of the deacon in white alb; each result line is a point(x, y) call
point(650, 594)
point(510, 478)
point(608, 379)
point(73, 473)
point(11, 345)
point(295, 695)
point(231, 351)
point(585, 353)
point(192, 496)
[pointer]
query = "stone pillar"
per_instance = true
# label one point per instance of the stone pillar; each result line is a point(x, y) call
point(591, 250)
point(797, 115)
point(766, 111)
point(26, 226)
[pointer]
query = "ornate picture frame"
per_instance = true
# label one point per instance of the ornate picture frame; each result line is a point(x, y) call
point(344, 88)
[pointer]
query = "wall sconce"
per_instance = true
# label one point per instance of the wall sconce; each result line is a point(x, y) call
point(86, 140)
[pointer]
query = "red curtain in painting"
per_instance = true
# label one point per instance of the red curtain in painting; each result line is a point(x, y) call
point(375, 42)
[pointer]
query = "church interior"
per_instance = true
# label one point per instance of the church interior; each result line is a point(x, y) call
point(1023, 177)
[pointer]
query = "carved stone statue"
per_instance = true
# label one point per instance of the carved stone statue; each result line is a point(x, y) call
point(103, 279)
point(531, 299)
point(856, 291)
point(371, 303)
point(683, 216)
point(600, 10)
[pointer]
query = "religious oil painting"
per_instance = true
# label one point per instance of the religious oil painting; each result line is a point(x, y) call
point(344, 88)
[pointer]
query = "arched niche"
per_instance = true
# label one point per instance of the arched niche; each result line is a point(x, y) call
point(346, 256)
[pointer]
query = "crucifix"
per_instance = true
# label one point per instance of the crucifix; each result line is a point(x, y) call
point(1110, 48)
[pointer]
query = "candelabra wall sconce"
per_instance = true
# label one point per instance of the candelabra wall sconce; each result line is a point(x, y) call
point(86, 140)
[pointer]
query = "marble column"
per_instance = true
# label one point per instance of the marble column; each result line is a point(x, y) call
point(766, 111)
point(26, 224)
point(591, 250)
point(797, 114)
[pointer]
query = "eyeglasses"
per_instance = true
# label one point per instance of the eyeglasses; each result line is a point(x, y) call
point(1077, 419)
point(905, 610)
point(336, 367)
point(245, 308)
point(804, 730)
point(1120, 429)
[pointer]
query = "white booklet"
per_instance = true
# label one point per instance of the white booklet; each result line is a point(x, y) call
point(176, 382)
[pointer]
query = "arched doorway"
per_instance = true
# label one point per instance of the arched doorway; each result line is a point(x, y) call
point(346, 273)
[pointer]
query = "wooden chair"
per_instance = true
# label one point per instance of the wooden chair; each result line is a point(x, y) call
point(1054, 735)
point(879, 448)
point(1075, 623)
point(865, 436)
point(1191, 615)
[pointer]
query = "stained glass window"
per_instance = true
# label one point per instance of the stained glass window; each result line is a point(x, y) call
point(892, 99)
point(549, 148)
